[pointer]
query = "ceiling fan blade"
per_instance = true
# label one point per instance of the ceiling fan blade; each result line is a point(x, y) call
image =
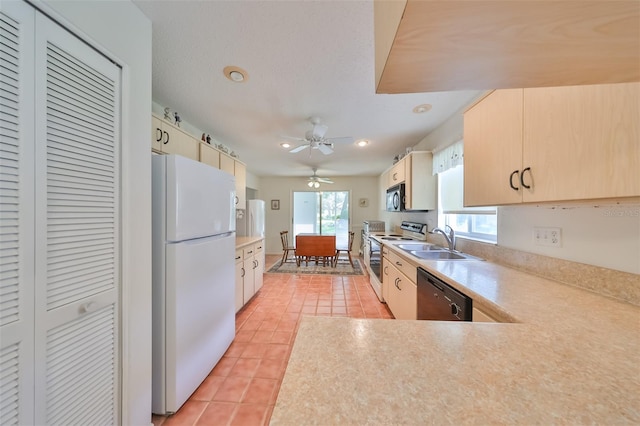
point(291, 138)
point(299, 148)
point(325, 180)
point(319, 130)
point(325, 149)
point(345, 139)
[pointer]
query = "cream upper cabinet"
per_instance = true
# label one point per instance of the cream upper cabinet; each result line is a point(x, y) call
point(157, 135)
point(227, 164)
point(169, 139)
point(414, 170)
point(421, 185)
point(582, 142)
point(553, 144)
point(209, 155)
point(240, 172)
point(397, 174)
point(493, 149)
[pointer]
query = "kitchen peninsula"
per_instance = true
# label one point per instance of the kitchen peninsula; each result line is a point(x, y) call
point(568, 356)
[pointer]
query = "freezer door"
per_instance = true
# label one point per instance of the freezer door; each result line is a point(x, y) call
point(200, 199)
point(199, 312)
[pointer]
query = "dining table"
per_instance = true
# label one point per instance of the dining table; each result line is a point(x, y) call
point(318, 246)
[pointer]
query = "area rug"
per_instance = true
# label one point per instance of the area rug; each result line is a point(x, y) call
point(342, 268)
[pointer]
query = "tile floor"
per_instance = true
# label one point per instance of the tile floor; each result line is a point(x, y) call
point(242, 389)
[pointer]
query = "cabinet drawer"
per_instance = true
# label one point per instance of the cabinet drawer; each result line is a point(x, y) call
point(403, 265)
point(249, 251)
point(258, 248)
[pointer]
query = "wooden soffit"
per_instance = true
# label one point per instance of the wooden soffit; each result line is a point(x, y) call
point(477, 44)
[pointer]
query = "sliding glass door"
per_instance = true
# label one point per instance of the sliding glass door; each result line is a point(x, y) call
point(325, 212)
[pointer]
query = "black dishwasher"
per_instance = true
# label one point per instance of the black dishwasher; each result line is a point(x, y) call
point(439, 301)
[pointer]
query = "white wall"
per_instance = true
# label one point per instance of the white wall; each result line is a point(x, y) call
point(606, 235)
point(282, 188)
point(125, 34)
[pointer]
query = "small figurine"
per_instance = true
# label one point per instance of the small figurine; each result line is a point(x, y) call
point(167, 114)
point(203, 138)
point(209, 139)
point(178, 119)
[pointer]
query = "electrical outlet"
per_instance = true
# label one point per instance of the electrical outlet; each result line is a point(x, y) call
point(549, 237)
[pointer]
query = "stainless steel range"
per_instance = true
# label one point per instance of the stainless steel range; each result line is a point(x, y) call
point(373, 254)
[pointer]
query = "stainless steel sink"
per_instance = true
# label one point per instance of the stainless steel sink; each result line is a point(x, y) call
point(441, 255)
point(419, 247)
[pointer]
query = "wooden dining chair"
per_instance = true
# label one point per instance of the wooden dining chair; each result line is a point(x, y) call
point(345, 250)
point(286, 248)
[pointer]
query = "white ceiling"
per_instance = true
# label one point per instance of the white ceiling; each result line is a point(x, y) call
point(304, 58)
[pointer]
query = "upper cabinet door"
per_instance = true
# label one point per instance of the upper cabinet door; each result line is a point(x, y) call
point(493, 149)
point(582, 142)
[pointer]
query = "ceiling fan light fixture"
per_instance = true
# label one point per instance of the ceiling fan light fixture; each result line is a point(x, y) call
point(422, 108)
point(285, 145)
point(362, 142)
point(235, 74)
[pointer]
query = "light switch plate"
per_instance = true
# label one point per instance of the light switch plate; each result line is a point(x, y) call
point(549, 237)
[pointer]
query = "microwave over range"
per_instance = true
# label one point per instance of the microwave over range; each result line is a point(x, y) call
point(395, 198)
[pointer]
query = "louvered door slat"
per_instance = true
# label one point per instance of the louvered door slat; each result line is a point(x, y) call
point(74, 136)
point(9, 384)
point(80, 366)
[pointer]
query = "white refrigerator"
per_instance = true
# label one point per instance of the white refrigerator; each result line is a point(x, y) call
point(251, 224)
point(193, 275)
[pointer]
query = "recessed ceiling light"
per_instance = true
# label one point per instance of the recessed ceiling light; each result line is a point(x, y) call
point(285, 145)
point(422, 108)
point(362, 142)
point(235, 74)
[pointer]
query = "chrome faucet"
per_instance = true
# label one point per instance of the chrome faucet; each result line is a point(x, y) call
point(450, 237)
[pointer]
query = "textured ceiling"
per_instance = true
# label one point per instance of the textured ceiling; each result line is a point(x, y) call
point(304, 58)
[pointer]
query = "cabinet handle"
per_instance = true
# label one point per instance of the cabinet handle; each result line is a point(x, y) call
point(167, 134)
point(385, 270)
point(237, 257)
point(398, 263)
point(398, 282)
point(528, 169)
point(243, 272)
point(394, 176)
point(255, 264)
point(236, 199)
point(515, 172)
point(250, 251)
point(158, 134)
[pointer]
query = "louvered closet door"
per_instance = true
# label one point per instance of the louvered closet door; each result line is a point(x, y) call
point(16, 214)
point(77, 228)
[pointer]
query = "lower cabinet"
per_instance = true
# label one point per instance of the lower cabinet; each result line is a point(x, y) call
point(399, 290)
point(240, 274)
point(249, 272)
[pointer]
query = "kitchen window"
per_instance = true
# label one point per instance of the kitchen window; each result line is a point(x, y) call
point(478, 223)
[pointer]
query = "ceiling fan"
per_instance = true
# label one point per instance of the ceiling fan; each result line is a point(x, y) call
point(315, 180)
point(314, 139)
